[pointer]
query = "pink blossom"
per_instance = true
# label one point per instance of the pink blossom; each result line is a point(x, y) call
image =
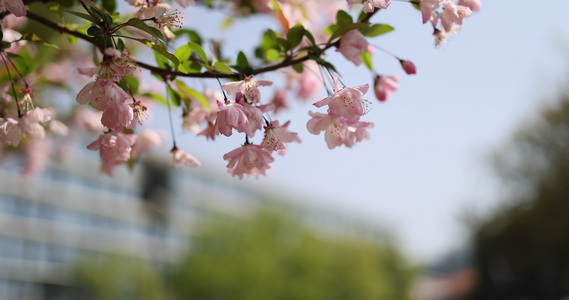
point(338, 131)
point(36, 156)
point(248, 87)
point(13, 130)
point(427, 9)
point(119, 114)
point(345, 102)
point(114, 148)
point(408, 66)
point(248, 159)
point(474, 5)
point(16, 7)
point(279, 101)
point(181, 158)
point(385, 86)
point(356, 132)
point(370, 4)
point(254, 117)
point(352, 45)
point(101, 93)
point(186, 3)
point(230, 115)
point(453, 13)
point(144, 142)
point(277, 136)
point(198, 113)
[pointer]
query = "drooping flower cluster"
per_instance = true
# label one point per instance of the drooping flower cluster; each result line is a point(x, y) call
point(341, 124)
point(450, 17)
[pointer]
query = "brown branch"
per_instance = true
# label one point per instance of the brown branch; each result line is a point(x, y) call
point(165, 72)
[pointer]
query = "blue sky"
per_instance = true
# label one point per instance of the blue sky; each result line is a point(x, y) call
point(427, 161)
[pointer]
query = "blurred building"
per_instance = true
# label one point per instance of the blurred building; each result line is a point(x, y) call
point(73, 212)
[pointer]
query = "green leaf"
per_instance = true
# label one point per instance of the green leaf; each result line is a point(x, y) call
point(162, 51)
point(299, 68)
point(242, 61)
point(377, 29)
point(23, 62)
point(95, 31)
point(129, 83)
point(109, 5)
point(284, 44)
point(342, 17)
point(192, 35)
point(183, 53)
point(295, 35)
point(310, 37)
point(137, 23)
point(32, 37)
point(158, 98)
point(191, 94)
point(84, 16)
point(226, 23)
point(273, 55)
point(199, 51)
point(222, 68)
point(415, 5)
point(174, 96)
point(346, 28)
point(366, 56)
point(120, 44)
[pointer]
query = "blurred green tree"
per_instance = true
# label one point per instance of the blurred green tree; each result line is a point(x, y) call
point(521, 249)
point(275, 257)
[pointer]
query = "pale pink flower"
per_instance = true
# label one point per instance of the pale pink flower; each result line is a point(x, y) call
point(279, 101)
point(230, 115)
point(408, 66)
point(101, 93)
point(277, 136)
point(119, 114)
point(198, 113)
point(114, 148)
point(164, 18)
point(88, 119)
point(186, 3)
point(385, 86)
point(428, 8)
point(474, 5)
point(356, 132)
point(13, 130)
point(345, 102)
point(248, 87)
point(369, 5)
point(16, 7)
point(352, 45)
point(310, 81)
point(181, 158)
point(453, 13)
point(248, 159)
point(254, 117)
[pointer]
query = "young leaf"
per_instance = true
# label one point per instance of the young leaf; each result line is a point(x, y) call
point(174, 96)
point(342, 17)
point(199, 51)
point(32, 37)
point(366, 56)
point(110, 5)
point(376, 29)
point(183, 53)
point(282, 18)
point(294, 35)
point(299, 68)
point(345, 28)
point(272, 55)
point(84, 16)
point(191, 94)
point(137, 23)
point(222, 68)
point(242, 61)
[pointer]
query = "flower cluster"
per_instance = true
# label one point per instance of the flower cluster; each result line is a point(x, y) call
point(341, 124)
point(450, 17)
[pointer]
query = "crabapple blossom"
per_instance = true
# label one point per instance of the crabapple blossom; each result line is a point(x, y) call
point(186, 3)
point(119, 114)
point(181, 158)
point(453, 13)
point(248, 87)
point(248, 159)
point(15, 7)
point(428, 8)
point(408, 66)
point(277, 136)
point(385, 86)
point(13, 130)
point(254, 117)
point(352, 45)
point(474, 5)
point(345, 102)
point(279, 101)
point(102, 94)
point(114, 148)
point(369, 5)
point(230, 115)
